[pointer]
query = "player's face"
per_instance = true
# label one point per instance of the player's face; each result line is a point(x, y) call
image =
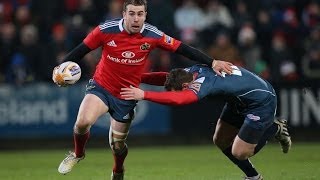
point(134, 18)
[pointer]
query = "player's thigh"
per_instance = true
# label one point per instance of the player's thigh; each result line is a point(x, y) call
point(91, 108)
point(251, 132)
point(122, 127)
point(227, 127)
point(224, 134)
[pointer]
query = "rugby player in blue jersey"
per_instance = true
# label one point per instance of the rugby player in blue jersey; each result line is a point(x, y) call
point(247, 121)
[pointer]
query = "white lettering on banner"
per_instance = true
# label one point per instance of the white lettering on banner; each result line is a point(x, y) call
point(125, 61)
point(23, 112)
point(300, 108)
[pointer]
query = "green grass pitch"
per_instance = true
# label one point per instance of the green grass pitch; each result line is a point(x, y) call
point(196, 162)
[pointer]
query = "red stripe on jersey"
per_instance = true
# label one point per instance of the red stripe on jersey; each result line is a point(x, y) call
point(172, 97)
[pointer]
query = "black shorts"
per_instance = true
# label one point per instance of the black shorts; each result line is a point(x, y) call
point(120, 110)
point(251, 122)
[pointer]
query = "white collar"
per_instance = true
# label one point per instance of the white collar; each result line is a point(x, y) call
point(122, 28)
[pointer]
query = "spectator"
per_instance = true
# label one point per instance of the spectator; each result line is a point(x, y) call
point(114, 10)
point(29, 56)
point(264, 29)
point(87, 11)
point(223, 48)
point(299, 19)
point(249, 49)
point(189, 19)
point(8, 41)
point(311, 14)
point(241, 15)
point(311, 63)
point(313, 39)
point(282, 65)
point(218, 14)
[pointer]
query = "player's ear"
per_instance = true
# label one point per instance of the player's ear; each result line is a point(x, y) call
point(185, 86)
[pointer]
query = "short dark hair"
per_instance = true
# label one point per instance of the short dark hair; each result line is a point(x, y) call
point(176, 78)
point(135, 3)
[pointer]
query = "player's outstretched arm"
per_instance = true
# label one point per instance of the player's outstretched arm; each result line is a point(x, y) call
point(132, 93)
point(194, 54)
point(168, 98)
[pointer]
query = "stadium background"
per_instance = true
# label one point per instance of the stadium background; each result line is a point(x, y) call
point(277, 39)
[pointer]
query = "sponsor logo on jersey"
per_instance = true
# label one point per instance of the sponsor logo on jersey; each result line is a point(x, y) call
point(253, 117)
point(145, 46)
point(112, 43)
point(128, 54)
point(125, 60)
point(168, 39)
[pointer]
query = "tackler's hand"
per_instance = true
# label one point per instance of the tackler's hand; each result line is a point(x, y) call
point(222, 66)
point(132, 93)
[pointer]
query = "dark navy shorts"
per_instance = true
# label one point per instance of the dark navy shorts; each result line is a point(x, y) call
point(252, 121)
point(120, 110)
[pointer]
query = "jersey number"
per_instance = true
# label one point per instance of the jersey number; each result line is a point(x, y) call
point(235, 71)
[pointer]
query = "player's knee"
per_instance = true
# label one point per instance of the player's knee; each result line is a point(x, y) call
point(242, 154)
point(117, 141)
point(83, 122)
point(81, 129)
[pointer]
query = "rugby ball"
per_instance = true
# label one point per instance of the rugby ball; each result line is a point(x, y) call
point(67, 73)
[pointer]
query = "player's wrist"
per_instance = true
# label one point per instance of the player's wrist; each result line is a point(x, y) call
point(145, 95)
point(214, 63)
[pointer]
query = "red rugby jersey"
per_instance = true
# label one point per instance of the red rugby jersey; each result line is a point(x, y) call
point(124, 55)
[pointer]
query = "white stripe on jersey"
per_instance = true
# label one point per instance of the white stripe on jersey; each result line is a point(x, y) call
point(257, 90)
point(154, 29)
point(108, 27)
point(150, 27)
point(108, 24)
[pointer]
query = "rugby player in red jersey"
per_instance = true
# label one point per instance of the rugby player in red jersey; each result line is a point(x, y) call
point(126, 44)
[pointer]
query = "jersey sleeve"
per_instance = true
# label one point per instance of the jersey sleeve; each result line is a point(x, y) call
point(176, 98)
point(168, 43)
point(154, 78)
point(94, 38)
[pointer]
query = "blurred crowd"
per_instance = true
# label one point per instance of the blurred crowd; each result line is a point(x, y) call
point(277, 39)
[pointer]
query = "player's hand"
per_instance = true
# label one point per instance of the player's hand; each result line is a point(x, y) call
point(222, 66)
point(132, 93)
point(58, 78)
